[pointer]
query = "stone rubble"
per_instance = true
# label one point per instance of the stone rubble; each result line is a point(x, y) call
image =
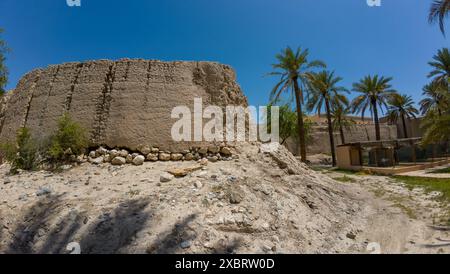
point(121, 157)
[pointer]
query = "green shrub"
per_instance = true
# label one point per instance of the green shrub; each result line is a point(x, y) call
point(24, 154)
point(69, 140)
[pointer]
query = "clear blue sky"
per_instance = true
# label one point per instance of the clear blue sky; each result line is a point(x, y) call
point(351, 37)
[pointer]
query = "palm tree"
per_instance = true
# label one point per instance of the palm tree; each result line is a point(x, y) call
point(401, 107)
point(293, 68)
point(375, 91)
point(441, 67)
point(324, 93)
point(434, 101)
point(439, 10)
point(341, 119)
point(437, 128)
point(436, 123)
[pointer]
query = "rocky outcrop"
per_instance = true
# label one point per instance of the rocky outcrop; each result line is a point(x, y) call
point(125, 103)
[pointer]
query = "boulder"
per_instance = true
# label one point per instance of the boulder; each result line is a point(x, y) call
point(153, 157)
point(203, 151)
point(118, 161)
point(101, 151)
point(114, 153)
point(123, 153)
point(107, 158)
point(164, 156)
point(145, 150)
point(96, 161)
point(129, 158)
point(181, 172)
point(189, 157)
point(166, 177)
point(213, 159)
point(226, 151)
point(213, 149)
point(138, 160)
point(176, 156)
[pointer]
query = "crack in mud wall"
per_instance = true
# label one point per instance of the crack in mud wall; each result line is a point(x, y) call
point(30, 100)
point(68, 101)
point(103, 107)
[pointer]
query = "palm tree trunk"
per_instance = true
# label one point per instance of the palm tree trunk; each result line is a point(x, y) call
point(301, 128)
point(405, 131)
point(330, 132)
point(377, 122)
point(341, 131)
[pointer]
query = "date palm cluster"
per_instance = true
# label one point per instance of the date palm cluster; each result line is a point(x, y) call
point(315, 89)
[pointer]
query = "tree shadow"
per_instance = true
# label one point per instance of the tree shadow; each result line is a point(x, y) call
point(226, 247)
point(440, 228)
point(112, 232)
point(33, 224)
point(44, 231)
point(436, 245)
point(170, 242)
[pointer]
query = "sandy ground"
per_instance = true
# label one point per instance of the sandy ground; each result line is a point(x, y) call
point(258, 203)
point(401, 220)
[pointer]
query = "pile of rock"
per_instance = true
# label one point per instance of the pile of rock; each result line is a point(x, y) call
point(153, 154)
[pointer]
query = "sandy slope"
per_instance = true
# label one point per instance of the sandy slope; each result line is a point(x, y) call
point(259, 203)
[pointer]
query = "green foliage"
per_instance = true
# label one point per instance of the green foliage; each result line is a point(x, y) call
point(375, 92)
point(292, 68)
point(429, 184)
point(345, 179)
point(69, 139)
point(439, 10)
point(401, 106)
point(434, 100)
point(324, 90)
point(340, 115)
point(324, 93)
point(441, 171)
point(441, 67)
point(288, 126)
point(24, 153)
point(3, 69)
point(437, 128)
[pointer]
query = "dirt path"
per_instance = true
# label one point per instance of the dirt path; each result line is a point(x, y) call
point(397, 219)
point(429, 172)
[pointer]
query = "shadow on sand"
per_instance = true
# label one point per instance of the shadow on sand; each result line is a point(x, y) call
point(44, 231)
